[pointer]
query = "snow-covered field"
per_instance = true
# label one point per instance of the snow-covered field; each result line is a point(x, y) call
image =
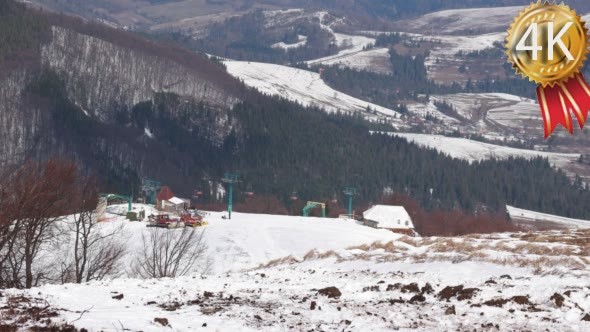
point(423, 109)
point(373, 60)
point(500, 282)
point(302, 40)
point(534, 216)
point(490, 112)
point(460, 30)
point(351, 45)
point(451, 45)
point(443, 55)
point(463, 21)
point(355, 52)
point(495, 104)
point(248, 240)
point(462, 148)
point(302, 86)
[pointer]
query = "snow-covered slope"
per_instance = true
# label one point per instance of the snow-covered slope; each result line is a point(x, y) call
point(302, 40)
point(453, 21)
point(355, 52)
point(351, 45)
point(498, 282)
point(373, 60)
point(252, 239)
point(462, 148)
point(503, 108)
point(495, 111)
point(534, 216)
point(248, 240)
point(443, 55)
point(422, 109)
point(301, 86)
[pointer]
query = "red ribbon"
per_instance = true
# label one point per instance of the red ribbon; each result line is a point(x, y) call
point(558, 101)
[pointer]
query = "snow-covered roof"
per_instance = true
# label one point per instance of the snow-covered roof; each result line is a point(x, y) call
point(176, 200)
point(389, 216)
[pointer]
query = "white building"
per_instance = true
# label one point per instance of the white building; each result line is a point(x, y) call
point(393, 218)
point(175, 205)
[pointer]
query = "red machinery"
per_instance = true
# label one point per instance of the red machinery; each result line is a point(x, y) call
point(165, 221)
point(193, 221)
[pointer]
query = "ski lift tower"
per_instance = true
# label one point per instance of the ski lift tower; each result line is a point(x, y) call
point(150, 188)
point(350, 192)
point(230, 179)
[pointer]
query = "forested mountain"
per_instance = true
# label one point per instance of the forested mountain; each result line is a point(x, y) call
point(155, 12)
point(395, 9)
point(62, 70)
point(251, 36)
point(128, 108)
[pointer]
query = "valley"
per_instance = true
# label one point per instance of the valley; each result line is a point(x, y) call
point(281, 165)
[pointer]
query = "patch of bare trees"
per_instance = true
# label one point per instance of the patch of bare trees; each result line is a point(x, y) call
point(171, 253)
point(96, 252)
point(40, 203)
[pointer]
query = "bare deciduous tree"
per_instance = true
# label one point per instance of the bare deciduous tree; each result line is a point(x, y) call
point(37, 196)
point(97, 252)
point(7, 228)
point(171, 253)
point(43, 204)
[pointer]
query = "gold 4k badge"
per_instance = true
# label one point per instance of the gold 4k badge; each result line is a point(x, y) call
point(548, 43)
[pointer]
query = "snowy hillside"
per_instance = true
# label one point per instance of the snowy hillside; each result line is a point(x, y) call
point(248, 240)
point(421, 110)
point(301, 86)
point(470, 150)
point(351, 46)
point(499, 282)
point(447, 53)
point(447, 33)
point(302, 40)
point(355, 52)
point(373, 60)
point(467, 104)
point(443, 55)
point(252, 239)
point(454, 21)
point(493, 111)
point(532, 216)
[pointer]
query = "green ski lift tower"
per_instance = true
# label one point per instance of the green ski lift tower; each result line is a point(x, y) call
point(350, 192)
point(150, 188)
point(230, 179)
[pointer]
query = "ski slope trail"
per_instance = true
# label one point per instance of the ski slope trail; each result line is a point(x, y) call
point(248, 240)
point(302, 86)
